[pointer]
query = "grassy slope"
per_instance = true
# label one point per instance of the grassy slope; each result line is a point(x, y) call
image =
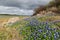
point(12, 32)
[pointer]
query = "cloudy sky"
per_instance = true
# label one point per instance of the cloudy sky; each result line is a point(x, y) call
point(20, 7)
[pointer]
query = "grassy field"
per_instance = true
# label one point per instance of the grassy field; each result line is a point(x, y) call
point(27, 26)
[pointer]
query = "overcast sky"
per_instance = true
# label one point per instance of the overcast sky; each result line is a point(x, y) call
point(20, 7)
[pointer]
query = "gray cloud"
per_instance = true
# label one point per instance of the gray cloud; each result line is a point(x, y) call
point(20, 7)
point(23, 4)
point(14, 10)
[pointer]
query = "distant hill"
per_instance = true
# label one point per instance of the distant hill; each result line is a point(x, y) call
point(53, 7)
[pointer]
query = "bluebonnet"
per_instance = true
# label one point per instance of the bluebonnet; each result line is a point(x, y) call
point(53, 29)
point(47, 27)
point(46, 23)
point(44, 35)
point(47, 33)
point(34, 22)
point(40, 30)
point(57, 34)
point(55, 37)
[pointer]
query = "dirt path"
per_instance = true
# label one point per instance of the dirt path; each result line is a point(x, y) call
point(4, 21)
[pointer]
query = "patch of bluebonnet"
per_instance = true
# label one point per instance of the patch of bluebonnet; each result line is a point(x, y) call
point(56, 36)
point(33, 22)
point(41, 31)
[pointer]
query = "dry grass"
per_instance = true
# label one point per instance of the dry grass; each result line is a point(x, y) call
point(53, 18)
point(9, 34)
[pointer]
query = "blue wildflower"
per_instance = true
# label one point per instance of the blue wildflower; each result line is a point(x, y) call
point(44, 35)
point(47, 33)
point(46, 23)
point(40, 30)
point(34, 22)
point(54, 29)
point(57, 34)
point(48, 28)
point(55, 37)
